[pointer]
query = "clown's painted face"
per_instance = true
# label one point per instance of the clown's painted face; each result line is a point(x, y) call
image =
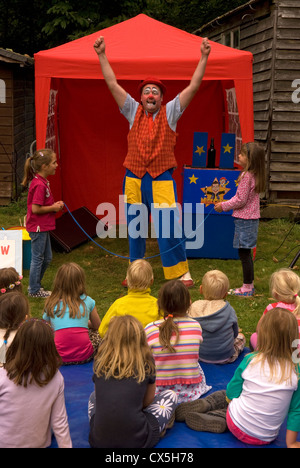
point(151, 98)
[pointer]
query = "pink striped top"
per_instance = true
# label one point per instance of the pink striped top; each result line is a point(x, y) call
point(181, 367)
point(245, 204)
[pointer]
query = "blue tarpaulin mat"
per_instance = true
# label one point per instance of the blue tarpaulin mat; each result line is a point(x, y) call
point(79, 386)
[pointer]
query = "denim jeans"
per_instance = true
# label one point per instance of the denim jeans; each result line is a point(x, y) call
point(41, 256)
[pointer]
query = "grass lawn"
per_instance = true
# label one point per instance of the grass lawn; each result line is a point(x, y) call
point(278, 243)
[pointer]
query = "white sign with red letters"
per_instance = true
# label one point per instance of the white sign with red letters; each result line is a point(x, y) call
point(11, 250)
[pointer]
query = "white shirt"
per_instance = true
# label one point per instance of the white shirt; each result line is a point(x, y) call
point(262, 405)
point(172, 108)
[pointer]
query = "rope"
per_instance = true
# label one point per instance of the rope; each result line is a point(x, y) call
point(128, 258)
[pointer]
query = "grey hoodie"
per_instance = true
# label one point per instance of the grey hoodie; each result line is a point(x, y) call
point(219, 325)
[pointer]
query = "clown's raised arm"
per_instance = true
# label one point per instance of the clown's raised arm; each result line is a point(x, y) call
point(189, 92)
point(120, 94)
point(116, 90)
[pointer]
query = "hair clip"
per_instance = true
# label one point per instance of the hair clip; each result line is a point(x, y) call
point(295, 295)
point(41, 154)
point(170, 315)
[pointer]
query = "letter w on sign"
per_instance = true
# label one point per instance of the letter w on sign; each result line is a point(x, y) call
point(7, 253)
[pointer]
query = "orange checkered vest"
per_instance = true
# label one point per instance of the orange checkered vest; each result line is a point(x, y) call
point(150, 151)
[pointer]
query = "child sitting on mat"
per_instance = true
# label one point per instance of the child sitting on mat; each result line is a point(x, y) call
point(123, 409)
point(174, 341)
point(222, 342)
point(73, 316)
point(14, 309)
point(138, 301)
point(265, 387)
point(263, 391)
point(285, 289)
point(32, 403)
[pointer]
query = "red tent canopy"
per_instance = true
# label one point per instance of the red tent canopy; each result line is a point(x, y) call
point(77, 116)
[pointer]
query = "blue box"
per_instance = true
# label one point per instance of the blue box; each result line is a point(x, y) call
point(26, 254)
point(200, 149)
point(210, 186)
point(227, 151)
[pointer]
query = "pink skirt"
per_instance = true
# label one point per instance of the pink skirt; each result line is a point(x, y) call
point(73, 344)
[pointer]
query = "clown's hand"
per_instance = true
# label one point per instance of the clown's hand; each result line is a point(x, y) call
point(205, 47)
point(99, 45)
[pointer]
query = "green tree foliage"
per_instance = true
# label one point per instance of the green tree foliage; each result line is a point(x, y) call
point(21, 23)
point(27, 26)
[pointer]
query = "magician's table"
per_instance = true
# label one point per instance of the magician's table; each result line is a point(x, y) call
point(207, 187)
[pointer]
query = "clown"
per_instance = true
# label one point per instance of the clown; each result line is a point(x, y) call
point(150, 159)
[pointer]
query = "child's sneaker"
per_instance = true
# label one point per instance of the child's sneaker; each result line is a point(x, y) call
point(46, 291)
point(241, 292)
point(41, 293)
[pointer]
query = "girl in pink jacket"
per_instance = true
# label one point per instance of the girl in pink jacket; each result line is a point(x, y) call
point(246, 210)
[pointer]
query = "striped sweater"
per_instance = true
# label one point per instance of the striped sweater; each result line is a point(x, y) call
point(181, 367)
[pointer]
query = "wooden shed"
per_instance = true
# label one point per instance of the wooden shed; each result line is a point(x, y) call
point(17, 121)
point(270, 29)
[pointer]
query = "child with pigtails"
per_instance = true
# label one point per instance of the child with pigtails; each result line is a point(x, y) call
point(174, 341)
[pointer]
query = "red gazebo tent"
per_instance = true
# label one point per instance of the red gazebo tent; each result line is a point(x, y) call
point(77, 116)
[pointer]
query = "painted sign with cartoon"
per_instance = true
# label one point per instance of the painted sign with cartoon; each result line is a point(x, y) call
point(209, 186)
point(216, 192)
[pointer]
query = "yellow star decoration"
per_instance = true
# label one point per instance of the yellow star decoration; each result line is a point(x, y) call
point(200, 150)
point(193, 179)
point(227, 148)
